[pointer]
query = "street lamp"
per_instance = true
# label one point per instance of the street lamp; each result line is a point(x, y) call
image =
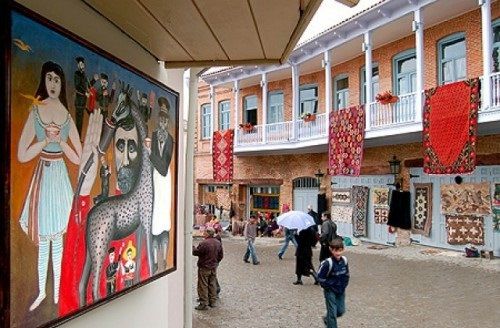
point(318, 176)
point(395, 169)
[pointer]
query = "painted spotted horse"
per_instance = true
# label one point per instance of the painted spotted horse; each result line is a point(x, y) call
point(122, 215)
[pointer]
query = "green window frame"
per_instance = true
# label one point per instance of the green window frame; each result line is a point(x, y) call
point(250, 109)
point(224, 114)
point(375, 83)
point(275, 106)
point(206, 121)
point(404, 72)
point(452, 66)
point(341, 91)
point(308, 98)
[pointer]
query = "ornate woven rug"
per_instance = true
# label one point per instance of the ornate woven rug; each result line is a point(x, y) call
point(342, 213)
point(380, 196)
point(464, 229)
point(450, 127)
point(422, 218)
point(222, 155)
point(360, 201)
point(345, 139)
point(381, 214)
point(466, 199)
point(341, 196)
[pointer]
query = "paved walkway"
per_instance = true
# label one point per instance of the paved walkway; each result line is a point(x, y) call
point(391, 287)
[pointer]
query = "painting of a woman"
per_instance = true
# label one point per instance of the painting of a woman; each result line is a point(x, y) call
point(49, 135)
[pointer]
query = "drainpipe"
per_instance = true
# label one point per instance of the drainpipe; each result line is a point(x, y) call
point(190, 93)
point(263, 84)
point(327, 64)
point(295, 98)
point(367, 48)
point(486, 32)
point(418, 28)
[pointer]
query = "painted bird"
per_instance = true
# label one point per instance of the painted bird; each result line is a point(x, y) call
point(21, 45)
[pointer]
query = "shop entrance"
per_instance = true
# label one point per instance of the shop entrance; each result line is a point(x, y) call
point(305, 192)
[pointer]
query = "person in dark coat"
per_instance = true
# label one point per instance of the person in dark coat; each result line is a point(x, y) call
point(306, 239)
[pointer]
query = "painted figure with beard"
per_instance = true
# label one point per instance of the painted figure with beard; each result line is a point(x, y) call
point(126, 159)
point(82, 85)
point(144, 107)
point(162, 145)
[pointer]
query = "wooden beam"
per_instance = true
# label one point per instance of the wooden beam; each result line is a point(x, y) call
point(210, 63)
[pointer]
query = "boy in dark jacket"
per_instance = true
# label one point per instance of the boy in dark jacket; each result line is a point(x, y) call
point(333, 276)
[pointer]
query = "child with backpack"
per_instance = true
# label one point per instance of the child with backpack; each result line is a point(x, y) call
point(333, 276)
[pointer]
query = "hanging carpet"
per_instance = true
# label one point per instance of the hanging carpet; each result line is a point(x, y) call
point(466, 199)
point(381, 214)
point(222, 155)
point(422, 218)
point(450, 127)
point(342, 213)
point(464, 229)
point(345, 139)
point(360, 203)
point(400, 210)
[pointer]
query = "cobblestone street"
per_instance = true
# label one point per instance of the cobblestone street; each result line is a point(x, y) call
point(393, 287)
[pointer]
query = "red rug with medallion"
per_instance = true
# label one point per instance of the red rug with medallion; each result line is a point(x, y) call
point(450, 127)
point(222, 155)
point(345, 141)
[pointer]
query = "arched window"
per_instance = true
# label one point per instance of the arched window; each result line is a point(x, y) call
point(451, 58)
point(404, 69)
point(305, 182)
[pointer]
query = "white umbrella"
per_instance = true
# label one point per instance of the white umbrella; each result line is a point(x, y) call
point(295, 220)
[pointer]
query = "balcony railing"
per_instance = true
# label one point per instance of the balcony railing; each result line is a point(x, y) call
point(403, 111)
point(380, 117)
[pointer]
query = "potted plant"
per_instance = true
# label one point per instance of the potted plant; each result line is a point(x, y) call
point(247, 127)
point(308, 117)
point(386, 98)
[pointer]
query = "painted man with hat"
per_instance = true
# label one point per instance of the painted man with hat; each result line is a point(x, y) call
point(161, 154)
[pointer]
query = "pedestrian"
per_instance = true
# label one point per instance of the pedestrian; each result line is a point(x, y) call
point(209, 253)
point(306, 239)
point(250, 232)
point(328, 233)
point(333, 276)
point(289, 237)
point(315, 216)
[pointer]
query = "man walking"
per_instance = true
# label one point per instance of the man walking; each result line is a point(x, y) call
point(250, 233)
point(328, 233)
point(289, 237)
point(209, 253)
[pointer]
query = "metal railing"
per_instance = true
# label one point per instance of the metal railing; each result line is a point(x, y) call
point(403, 111)
point(495, 90)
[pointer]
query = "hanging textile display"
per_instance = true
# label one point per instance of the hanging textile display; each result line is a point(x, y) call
point(496, 219)
point(400, 210)
point(380, 196)
point(345, 139)
point(464, 229)
point(381, 214)
point(422, 218)
point(222, 155)
point(496, 195)
point(466, 199)
point(341, 196)
point(360, 210)
point(450, 127)
point(342, 213)
point(223, 197)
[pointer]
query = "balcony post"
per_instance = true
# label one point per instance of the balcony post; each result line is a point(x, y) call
point(295, 98)
point(418, 28)
point(263, 84)
point(328, 82)
point(236, 90)
point(486, 31)
point(212, 109)
point(367, 48)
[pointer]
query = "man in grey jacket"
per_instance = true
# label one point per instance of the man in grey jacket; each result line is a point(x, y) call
point(328, 233)
point(250, 233)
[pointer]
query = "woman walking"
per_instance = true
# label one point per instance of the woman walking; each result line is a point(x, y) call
point(306, 239)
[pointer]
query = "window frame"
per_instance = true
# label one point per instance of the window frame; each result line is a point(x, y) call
point(301, 102)
point(336, 91)
point(404, 55)
point(245, 109)
point(270, 105)
point(495, 23)
point(362, 78)
point(224, 116)
point(442, 42)
point(206, 121)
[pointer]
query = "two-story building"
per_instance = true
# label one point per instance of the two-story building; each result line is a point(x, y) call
point(400, 46)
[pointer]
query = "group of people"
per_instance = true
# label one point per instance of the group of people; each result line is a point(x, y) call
point(332, 275)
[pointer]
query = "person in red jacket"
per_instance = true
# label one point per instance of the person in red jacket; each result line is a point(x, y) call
point(209, 253)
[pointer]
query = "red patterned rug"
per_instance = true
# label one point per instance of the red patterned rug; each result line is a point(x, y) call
point(345, 139)
point(450, 127)
point(222, 155)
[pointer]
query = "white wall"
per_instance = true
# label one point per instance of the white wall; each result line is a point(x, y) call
point(160, 303)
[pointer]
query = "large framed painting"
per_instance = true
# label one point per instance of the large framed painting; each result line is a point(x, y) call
point(91, 178)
